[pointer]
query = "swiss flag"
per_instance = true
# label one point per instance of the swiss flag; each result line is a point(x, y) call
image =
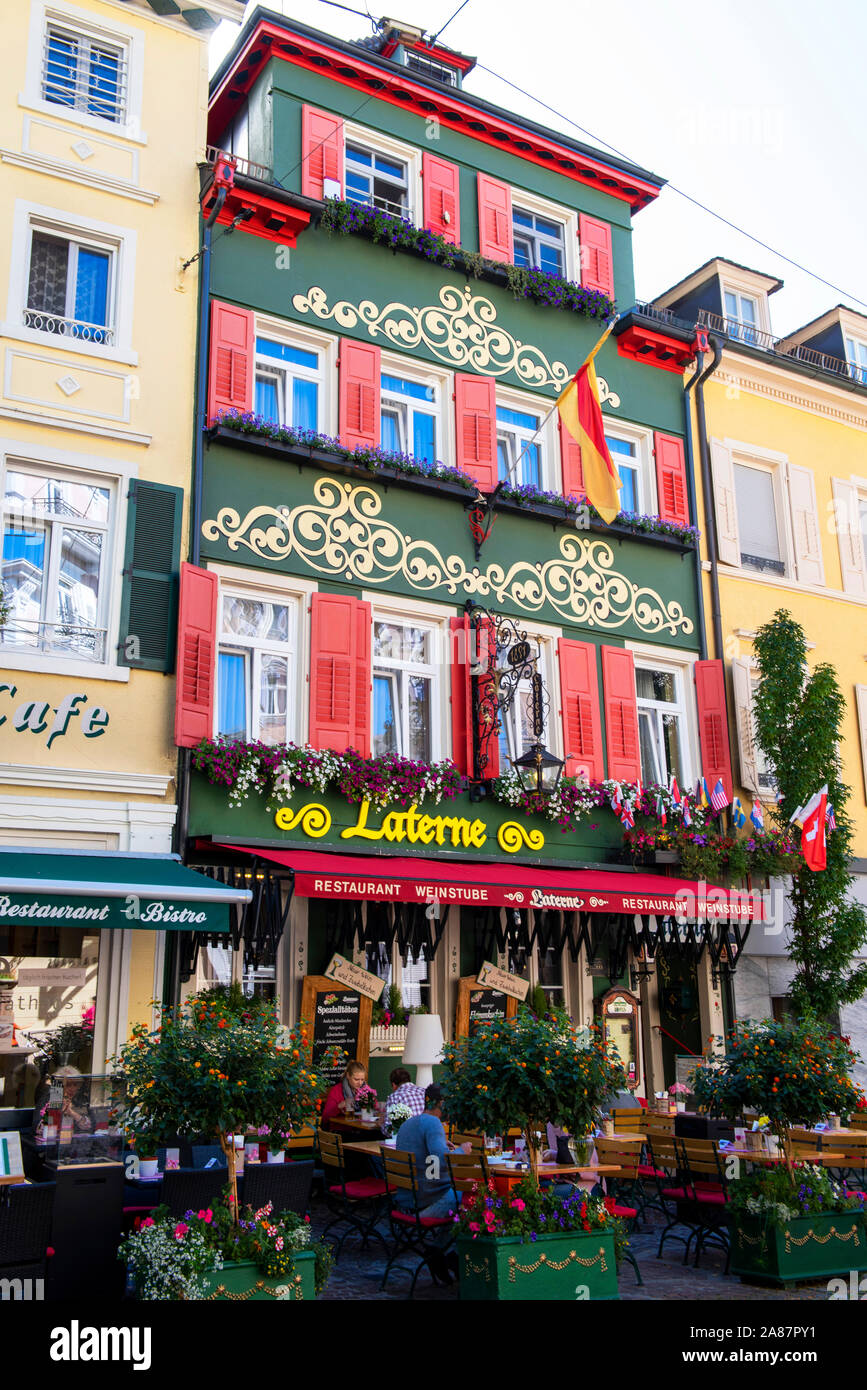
point(813, 831)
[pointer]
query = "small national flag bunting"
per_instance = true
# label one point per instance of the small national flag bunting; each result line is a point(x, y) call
point(616, 798)
point(738, 814)
point(718, 798)
point(701, 793)
point(757, 815)
point(675, 790)
point(687, 814)
point(627, 818)
point(660, 810)
point(830, 818)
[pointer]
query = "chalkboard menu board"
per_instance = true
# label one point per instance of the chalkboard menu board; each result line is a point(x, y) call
point(478, 1005)
point(340, 1018)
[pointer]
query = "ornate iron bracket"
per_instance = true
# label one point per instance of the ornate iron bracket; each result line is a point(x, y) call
point(500, 659)
point(482, 517)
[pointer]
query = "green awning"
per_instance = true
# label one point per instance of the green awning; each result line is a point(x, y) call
point(111, 890)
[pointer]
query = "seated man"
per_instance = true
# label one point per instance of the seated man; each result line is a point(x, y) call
point(424, 1137)
point(403, 1092)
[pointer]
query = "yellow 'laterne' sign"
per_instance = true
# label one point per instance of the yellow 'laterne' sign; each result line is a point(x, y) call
point(399, 827)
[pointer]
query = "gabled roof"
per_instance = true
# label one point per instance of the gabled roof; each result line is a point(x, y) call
point(850, 321)
point(716, 267)
point(266, 35)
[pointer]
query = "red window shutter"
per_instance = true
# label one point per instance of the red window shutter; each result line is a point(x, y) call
point(230, 376)
point(495, 219)
point(441, 197)
point(197, 644)
point(671, 478)
point(572, 465)
point(360, 389)
point(486, 656)
point(321, 151)
point(340, 673)
point(597, 265)
point(476, 428)
point(713, 724)
point(460, 672)
point(621, 714)
point(582, 727)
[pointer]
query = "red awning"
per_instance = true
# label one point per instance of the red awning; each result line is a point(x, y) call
point(382, 878)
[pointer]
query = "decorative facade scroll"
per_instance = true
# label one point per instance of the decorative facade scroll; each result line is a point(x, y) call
point(461, 331)
point(342, 536)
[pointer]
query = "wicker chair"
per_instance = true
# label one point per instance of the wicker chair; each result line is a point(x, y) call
point(191, 1189)
point(25, 1229)
point(285, 1185)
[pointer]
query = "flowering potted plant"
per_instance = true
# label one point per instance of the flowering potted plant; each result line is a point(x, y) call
point(524, 1073)
point(676, 1092)
point(530, 1244)
point(791, 1072)
point(365, 1103)
point(396, 1116)
point(209, 1255)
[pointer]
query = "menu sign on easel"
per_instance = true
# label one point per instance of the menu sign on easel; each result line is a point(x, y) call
point(481, 1007)
point(340, 1018)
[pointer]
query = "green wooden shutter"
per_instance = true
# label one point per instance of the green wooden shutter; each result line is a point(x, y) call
point(149, 605)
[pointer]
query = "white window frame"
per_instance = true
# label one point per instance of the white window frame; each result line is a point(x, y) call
point(744, 288)
point(648, 501)
point(681, 666)
point(307, 340)
point(767, 461)
point(119, 241)
point(545, 640)
point(397, 968)
point(44, 13)
point(856, 344)
point(767, 795)
point(861, 714)
point(432, 670)
point(116, 475)
point(273, 588)
point(442, 383)
point(550, 475)
point(553, 212)
point(378, 143)
point(436, 616)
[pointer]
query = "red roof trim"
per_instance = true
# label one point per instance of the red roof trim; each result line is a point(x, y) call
point(655, 349)
point(269, 40)
point(406, 879)
point(267, 217)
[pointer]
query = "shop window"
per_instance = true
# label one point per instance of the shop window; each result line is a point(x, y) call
point(220, 965)
point(256, 666)
point(411, 976)
point(56, 533)
point(405, 689)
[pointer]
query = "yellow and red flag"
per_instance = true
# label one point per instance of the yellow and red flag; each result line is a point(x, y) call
point(581, 414)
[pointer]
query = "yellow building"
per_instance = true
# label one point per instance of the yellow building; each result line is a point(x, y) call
point(101, 129)
point(784, 526)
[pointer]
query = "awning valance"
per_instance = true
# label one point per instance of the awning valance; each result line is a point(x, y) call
point(382, 878)
point(111, 890)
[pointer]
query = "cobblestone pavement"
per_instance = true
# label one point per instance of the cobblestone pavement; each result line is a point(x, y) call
point(357, 1274)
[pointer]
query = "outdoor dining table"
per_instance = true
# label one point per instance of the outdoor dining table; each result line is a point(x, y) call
point(826, 1158)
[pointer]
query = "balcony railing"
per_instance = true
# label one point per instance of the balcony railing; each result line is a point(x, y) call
point(248, 167)
point(756, 337)
point(742, 332)
point(61, 639)
point(69, 328)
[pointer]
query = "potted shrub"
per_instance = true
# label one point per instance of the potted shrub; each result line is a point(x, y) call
point(210, 1256)
point(204, 1072)
point(790, 1222)
point(524, 1073)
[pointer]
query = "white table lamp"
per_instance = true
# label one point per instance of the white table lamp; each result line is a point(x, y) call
point(423, 1046)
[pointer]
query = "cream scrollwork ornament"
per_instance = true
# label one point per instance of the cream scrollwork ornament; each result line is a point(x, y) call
point(342, 535)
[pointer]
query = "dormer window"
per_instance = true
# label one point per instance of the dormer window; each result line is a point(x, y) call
point(429, 67)
point(741, 316)
point(856, 356)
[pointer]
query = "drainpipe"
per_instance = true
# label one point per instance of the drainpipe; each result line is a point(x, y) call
point(697, 384)
point(170, 973)
point(693, 507)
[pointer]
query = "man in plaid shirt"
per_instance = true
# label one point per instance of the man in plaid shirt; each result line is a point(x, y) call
point(403, 1092)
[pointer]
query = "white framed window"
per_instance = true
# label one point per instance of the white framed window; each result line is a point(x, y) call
point(296, 371)
point(526, 441)
point(666, 716)
point(85, 69)
point(631, 453)
point(544, 235)
point(63, 521)
point(757, 775)
point(262, 642)
point(761, 516)
point(382, 172)
point(413, 976)
point(856, 356)
point(406, 682)
point(516, 722)
point(411, 412)
point(72, 283)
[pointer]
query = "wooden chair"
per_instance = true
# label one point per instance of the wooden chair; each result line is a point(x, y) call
point(854, 1146)
point(628, 1119)
point(468, 1171)
point(859, 1121)
point(666, 1163)
point(411, 1230)
point(357, 1203)
point(705, 1181)
point(659, 1124)
point(303, 1138)
point(476, 1141)
point(622, 1186)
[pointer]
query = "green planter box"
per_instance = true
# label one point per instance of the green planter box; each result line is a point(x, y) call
point(241, 1282)
point(558, 1266)
point(810, 1247)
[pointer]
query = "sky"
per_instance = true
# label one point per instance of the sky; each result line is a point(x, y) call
point(747, 106)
